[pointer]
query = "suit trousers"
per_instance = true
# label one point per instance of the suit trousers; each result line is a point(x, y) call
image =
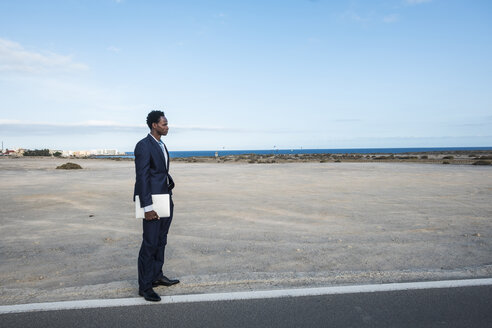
point(151, 255)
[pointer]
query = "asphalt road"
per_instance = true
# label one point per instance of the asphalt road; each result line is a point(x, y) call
point(450, 307)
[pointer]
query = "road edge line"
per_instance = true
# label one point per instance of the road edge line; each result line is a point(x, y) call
point(279, 293)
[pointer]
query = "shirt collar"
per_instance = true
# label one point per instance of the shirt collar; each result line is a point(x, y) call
point(158, 141)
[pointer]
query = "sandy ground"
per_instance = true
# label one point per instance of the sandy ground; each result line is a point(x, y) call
point(67, 235)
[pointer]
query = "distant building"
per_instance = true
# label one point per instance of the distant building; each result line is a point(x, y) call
point(111, 152)
point(9, 152)
point(85, 153)
point(53, 151)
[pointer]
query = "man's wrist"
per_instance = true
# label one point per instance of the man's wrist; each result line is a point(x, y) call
point(148, 208)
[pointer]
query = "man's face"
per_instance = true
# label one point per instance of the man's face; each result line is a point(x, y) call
point(161, 127)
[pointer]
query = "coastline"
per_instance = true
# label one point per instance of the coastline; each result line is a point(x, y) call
point(461, 157)
point(477, 157)
point(433, 157)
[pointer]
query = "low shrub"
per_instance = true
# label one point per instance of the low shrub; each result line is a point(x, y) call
point(69, 166)
point(482, 162)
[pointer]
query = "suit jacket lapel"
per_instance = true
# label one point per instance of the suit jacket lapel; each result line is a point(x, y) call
point(159, 150)
point(167, 164)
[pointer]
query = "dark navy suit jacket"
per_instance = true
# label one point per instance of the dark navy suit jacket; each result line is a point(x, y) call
point(152, 176)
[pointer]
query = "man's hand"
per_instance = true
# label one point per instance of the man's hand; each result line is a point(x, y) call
point(151, 215)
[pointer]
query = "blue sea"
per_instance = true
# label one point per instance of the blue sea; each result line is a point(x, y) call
point(308, 151)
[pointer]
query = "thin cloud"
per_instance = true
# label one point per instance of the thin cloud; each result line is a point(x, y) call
point(113, 49)
point(356, 17)
point(466, 125)
point(17, 127)
point(485, 121)
point(21, 128)
point(203, 128)
point(393, 18)
point(15, 58)
point(91, 123)
point(222, 18)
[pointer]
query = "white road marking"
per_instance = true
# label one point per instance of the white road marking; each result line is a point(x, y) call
point(100, 303)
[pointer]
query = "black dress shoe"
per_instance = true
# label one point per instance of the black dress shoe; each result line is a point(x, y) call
point(149, 295)
point(165, 281)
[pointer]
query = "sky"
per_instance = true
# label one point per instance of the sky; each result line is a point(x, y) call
point(256, 74)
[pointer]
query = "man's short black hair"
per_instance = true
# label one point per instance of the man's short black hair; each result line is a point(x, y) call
point(154, 117)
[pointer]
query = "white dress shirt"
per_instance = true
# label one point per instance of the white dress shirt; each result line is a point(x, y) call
point(161, 144)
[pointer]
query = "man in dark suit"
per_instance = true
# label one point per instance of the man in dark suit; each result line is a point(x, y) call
point(152, 177)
